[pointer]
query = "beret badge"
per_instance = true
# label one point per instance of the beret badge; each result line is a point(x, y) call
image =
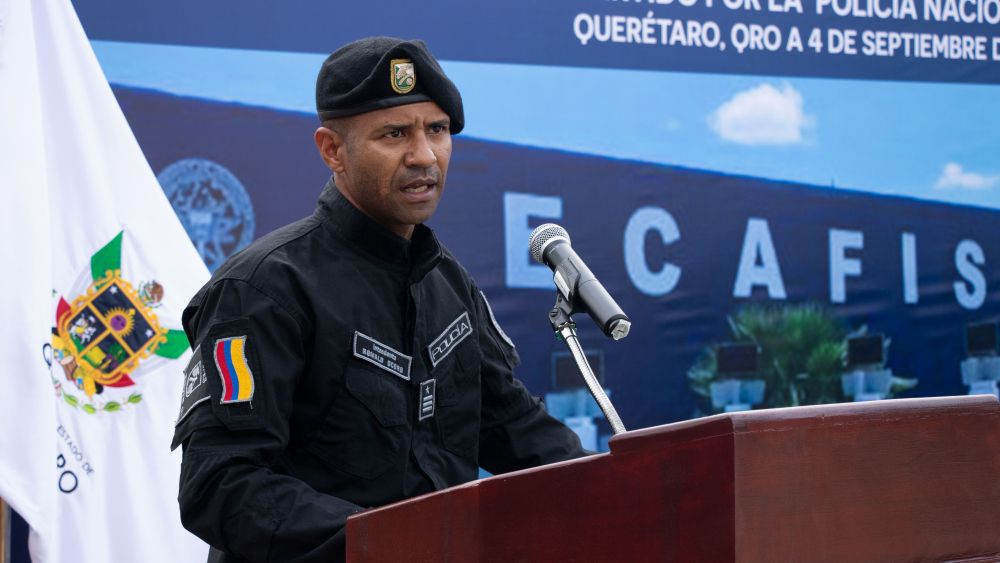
point(353, 80)
point(402, 76)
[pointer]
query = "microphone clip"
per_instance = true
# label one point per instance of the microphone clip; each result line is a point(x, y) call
point(560, 315)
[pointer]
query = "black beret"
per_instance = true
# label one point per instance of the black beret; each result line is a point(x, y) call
point(381, 72)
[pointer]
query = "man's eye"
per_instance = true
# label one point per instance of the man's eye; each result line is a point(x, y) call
point(395, 133)
point(439, 128)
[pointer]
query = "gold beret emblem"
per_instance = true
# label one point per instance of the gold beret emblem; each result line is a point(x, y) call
point(402, 76)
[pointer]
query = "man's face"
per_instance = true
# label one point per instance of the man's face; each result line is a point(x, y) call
point(393, 163)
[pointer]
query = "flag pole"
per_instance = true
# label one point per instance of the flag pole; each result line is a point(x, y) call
point(4, 532)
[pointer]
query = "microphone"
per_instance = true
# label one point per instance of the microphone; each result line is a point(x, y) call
point(550, 245)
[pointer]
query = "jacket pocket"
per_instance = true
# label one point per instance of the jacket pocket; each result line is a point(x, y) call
point(364, 430)
point(459, 400)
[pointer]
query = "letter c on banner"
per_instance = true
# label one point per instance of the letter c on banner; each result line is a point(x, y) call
point(645, 280)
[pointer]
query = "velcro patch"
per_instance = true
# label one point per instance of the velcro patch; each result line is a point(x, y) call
point(456, 332)
point(385, 357)
point(234, 370)
point(427, 389)
point(195, 385)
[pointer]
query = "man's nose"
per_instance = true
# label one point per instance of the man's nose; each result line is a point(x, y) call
point(420, 155)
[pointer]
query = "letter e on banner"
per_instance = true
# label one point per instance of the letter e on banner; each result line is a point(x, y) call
point(517, 209)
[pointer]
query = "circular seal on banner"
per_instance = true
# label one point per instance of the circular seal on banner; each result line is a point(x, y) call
point(212, 205)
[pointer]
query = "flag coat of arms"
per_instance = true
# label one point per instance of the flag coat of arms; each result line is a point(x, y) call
point(98, 271)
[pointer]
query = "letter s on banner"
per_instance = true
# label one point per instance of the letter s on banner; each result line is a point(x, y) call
point(968, 254)
point(645, 280)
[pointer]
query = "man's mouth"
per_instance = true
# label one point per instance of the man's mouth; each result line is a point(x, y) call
point(419, 186)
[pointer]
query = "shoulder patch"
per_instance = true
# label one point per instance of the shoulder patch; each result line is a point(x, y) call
point(234, 370)
point(382, 356)
point(493, 320)
point(195, 385)
point(457, 331)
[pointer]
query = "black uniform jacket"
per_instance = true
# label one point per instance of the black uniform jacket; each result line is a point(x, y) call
point(337, 367)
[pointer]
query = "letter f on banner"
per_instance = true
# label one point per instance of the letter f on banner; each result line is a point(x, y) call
point(840, 265)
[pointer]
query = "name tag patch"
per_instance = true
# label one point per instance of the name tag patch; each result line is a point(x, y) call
point(452, 336)
point(427, 389)
point(195, 385)
point(382, 356)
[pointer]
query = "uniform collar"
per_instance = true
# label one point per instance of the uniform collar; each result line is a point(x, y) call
point(418, 255)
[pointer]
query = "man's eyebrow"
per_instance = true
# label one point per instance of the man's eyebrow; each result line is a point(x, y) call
point(392, 126)
point(444, 122)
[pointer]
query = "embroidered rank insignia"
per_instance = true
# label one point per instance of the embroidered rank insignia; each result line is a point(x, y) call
point(378, 354)
point(234, 371)
point(427, 389)
point(195, 385)
point(456, 332)
point(402, 75)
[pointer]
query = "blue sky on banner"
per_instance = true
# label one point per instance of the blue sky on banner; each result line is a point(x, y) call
point(933, 141)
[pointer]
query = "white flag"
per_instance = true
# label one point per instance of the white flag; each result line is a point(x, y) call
point(97, 270)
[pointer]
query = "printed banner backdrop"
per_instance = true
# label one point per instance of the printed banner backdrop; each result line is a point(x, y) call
point(833, 158)
point(98, 271)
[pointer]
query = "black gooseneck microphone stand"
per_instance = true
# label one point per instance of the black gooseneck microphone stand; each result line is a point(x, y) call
point(565, 329)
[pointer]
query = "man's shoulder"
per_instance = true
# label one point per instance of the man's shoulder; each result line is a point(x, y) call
point(283, 248)
point(263, 270)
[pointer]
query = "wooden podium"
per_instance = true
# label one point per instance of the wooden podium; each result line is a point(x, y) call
point(885, 481)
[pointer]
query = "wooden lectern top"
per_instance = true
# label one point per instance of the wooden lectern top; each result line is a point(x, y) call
point(899, 480)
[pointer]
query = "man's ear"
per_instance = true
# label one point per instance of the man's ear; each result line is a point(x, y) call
point(331, 147)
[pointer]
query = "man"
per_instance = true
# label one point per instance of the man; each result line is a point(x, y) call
point(347, 360)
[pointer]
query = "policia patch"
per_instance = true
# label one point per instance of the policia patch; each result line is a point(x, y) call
point(457, 331)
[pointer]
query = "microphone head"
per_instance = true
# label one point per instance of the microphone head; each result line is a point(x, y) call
point(541, 235)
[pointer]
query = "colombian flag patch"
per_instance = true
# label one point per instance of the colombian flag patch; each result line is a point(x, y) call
point(234, 371)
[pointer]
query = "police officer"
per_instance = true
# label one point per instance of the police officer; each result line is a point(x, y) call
point(347, 360)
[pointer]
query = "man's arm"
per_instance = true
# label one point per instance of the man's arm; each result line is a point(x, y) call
point(516, 431)
point(233, 494)
point(231, 498)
